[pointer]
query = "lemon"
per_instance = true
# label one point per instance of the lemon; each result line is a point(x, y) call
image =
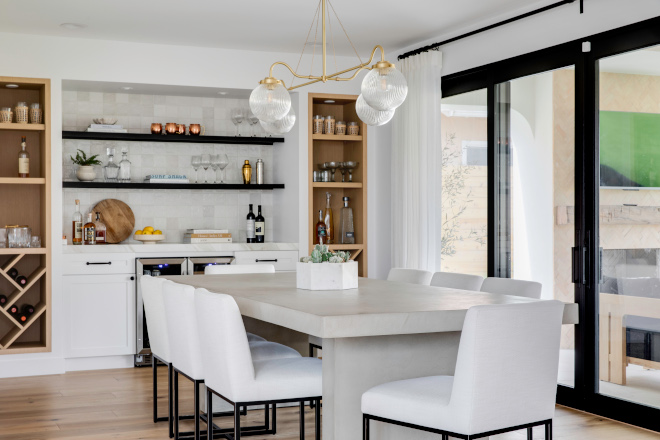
point(147, 233)
point(158, 232)
point(148, 228)
point(138, 232)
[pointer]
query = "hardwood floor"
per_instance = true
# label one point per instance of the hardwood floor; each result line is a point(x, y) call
point(116, 404)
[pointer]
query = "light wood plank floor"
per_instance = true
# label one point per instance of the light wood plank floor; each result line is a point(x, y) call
point(116, 404)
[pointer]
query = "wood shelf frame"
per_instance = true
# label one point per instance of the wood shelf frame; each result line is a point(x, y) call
point(143, 137)
point(197, 186)
point(336, 185)
point(22, 127)
point(22, 181)
point(336, 137)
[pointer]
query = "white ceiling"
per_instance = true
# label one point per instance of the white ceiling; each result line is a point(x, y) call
point(255, 24)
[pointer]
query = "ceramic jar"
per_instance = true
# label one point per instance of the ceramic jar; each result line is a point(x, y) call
point(86, 173)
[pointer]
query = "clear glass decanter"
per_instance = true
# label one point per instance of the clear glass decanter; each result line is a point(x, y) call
point(111, 170)
point(347, 233)
point(124, 167)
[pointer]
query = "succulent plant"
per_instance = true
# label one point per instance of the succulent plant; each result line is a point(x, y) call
point(322, 254)
point(336, 259)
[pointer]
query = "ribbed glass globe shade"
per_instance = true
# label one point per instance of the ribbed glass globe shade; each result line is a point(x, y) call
point(270, 102)
point(384, 89)
point(281, 126)
point(370, 116)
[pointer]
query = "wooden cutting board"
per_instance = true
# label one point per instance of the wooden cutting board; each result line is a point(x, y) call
point(118, 218)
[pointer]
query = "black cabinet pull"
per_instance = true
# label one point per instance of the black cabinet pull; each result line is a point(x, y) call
point(266, 261)
point(132, 278)
point(96, 264)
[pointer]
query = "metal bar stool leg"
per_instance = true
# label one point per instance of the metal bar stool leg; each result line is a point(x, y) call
point(196, 384)
point(209, 420)
point(155, 387)
point(302, 420)
point(237, 421)
point(530, 433)
point(365, 428)
point(267, 416)
point(175, 389)
point(317, 420)
point(548, 430)
point(274, 418)
point(170, 399)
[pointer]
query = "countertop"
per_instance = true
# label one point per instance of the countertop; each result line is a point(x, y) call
point(177, 248)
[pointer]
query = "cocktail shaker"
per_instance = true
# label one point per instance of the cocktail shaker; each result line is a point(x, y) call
point(260, 172)
point(247, 172)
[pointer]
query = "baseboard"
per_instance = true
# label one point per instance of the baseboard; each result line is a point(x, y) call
point(31, 367)
point(99, 363)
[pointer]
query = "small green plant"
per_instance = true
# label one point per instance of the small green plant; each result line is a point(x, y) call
point(82, 160)
point(321, 254)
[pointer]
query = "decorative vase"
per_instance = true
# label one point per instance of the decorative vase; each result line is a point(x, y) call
point(327, 276)
point(86, 173)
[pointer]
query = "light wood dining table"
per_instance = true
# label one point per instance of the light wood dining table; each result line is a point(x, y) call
point(380, 332)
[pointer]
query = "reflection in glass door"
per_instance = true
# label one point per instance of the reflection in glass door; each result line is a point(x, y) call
point(535, 189)
point(629, 203)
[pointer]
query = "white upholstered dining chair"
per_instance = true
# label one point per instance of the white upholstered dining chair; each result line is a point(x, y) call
point(457, 280)
point(233, 373)
point(186, 350)
point(412, 276)
point(509, 286)
point(505, 379)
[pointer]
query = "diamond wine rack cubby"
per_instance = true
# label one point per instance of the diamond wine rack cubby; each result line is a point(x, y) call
point(26, 201)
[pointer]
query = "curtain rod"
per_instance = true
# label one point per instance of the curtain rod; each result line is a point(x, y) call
point(492, 26)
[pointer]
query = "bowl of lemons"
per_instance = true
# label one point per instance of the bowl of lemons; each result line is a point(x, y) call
point(149, 235)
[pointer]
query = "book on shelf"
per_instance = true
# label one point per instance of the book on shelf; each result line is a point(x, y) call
point(207, 231)
point(106, 126)
point(105, 130)
point(189, 240)
point(221, 235)
point(166, 178)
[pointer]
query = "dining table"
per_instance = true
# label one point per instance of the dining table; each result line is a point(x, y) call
point(380, 332)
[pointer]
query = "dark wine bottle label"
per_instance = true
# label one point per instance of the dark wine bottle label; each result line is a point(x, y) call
point(23, 318)
point(13, 310)
point(13, 273)
point(21, 280)
point(27, 309)
point(3, 300)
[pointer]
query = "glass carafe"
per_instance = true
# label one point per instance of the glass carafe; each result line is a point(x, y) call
point(346, 230)
point(111, 170)
point(124, 167)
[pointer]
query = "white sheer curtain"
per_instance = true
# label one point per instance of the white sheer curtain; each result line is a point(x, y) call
point(416, 166)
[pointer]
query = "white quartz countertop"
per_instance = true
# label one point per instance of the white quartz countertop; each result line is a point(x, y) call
point(177, 248)
point(375, 308)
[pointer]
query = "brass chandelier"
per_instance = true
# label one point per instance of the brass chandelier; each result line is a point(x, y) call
point(383, 89)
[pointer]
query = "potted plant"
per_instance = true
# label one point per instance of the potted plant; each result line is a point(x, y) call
point(85, 171)
point(325, 270)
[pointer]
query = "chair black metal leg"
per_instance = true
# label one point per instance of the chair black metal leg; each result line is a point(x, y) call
point(196, 384)
point(267, 416)
point(530, 434)
point(155, 387)
point(170, 399)
point(175, 398)
point(209, 409)
point(548, 430)
point(274, 418)
point(365, 428)
point(302, 420)
point(317, 420)
point(445, 437)
point(237, 422)
point(311, 350)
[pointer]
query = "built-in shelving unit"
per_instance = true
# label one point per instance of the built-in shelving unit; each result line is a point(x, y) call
point(140, 137)
point(26, 202)
point(143, 185)
point(339, 148)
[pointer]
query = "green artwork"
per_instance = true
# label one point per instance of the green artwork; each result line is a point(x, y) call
point(629, 149)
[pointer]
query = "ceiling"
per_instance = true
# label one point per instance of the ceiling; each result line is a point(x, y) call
point(255, 24)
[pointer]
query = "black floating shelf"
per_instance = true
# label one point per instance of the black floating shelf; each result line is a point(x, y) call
point(137, 185)
point(140, 137)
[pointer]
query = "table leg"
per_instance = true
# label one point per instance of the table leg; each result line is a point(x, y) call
point(353, 365)
point(617, 350)
point(604, 346)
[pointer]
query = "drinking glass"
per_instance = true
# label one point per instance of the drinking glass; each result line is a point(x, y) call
point(196, 162)
point(215, 159)
point(35, 241)
point(223, 161)
point(237, 116)
point(206, 162)
point(253, 121)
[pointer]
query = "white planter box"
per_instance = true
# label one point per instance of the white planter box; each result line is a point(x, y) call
point(327, 276)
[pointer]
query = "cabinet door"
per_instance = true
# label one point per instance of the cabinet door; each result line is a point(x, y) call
point(282, 260)
point(99, 315)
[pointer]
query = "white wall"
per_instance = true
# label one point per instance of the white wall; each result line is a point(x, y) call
point(95, 60)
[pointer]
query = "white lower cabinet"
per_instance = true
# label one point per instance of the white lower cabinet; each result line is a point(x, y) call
point(99, 312)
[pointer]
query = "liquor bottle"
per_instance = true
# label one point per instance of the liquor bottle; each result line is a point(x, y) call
point(27, 309)
point(124, 168)
point(21, 280)
point(346, 224)
point(100, 229)
point(77, 223)
point(89, 231)
point(13, 310)
point(3, 300)
point(327, 218)
point(260, 226)
point(250, 226)
point(23, 160)
point(13, 273)
point(320, 230)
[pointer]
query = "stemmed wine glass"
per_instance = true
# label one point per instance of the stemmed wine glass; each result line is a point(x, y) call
point(253, 121)
point(206, 162)
point(196, 162)
point(223, 161)
point(215, 158)
point(237, 116)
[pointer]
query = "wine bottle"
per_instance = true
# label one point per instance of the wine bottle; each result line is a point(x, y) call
point(13, 310)
point(250, 226)
point(329, 228)
point(3, 300)
point(100, 229)
point(27, 309)
point(320, 230)
point(260, 226)
point(21, 280)
point(13, 273)
point(76, 235)
point(89, 231)
point(22, 317)
point(347, 233)
point(23, 160)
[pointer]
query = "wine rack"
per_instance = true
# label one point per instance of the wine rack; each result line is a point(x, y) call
point(339, 148)
point(26, 201)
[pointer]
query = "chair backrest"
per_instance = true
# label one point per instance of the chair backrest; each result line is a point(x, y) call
point(457, 281)
point(507, 366)
point(154, 309)
point(226, 355)
point(226, 269)
point(185, 349)
point(509, 286)
point(412, 276)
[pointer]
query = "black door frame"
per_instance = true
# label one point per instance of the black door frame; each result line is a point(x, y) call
point(584, 396)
